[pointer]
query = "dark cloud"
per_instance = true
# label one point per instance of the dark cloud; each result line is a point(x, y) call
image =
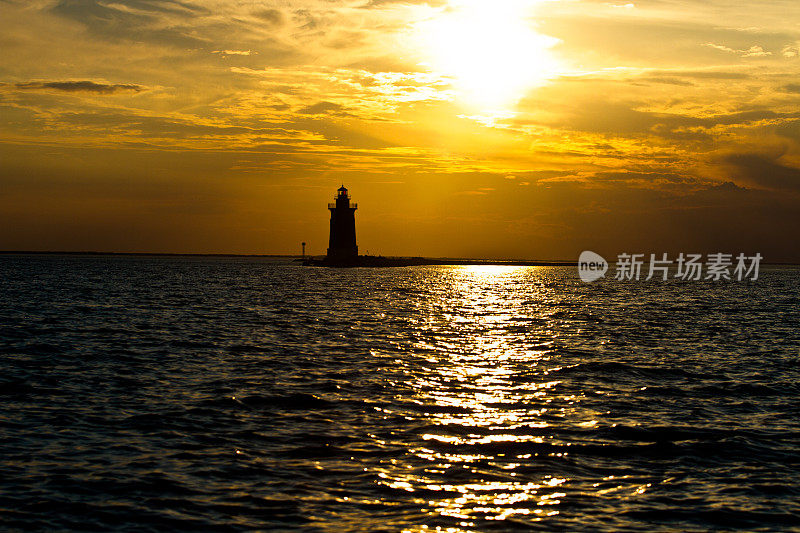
point(681, 133)
point(339, 135)
point(750, 116)
point(790, 129)
point(664, 182)
point(289, 136)
point(308, 20)
point(321, 108)
point(137, 22)
point(667, 80)
point(763, 171)
point(643, 178)
point(138, 9)
point(791, 88)
point(672, 77)
point(158, 127)
point(81, 86)
point(727, 187)
point(703, 74)
point(596, 116)
point(274, 17)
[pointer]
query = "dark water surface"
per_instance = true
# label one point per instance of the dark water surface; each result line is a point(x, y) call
point(197, 394)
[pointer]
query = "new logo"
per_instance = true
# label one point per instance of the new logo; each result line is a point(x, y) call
point(591, 266)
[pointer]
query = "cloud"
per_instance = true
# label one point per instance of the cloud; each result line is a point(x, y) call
point(274, 17)
point(661, 181)
point(753, 51)
point(763, 171)
point(756, 51)
point(721, 48)
point(81, 86)
point(703, 74)
point(667, 80)
point(727, 187)
point(322, 108)
point(166, 22)
point(234, 52)
point(482, 191)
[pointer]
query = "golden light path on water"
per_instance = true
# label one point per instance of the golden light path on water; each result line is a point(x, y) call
point(489, 396)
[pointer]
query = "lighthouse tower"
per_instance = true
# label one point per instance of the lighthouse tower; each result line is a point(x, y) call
point(342, 247)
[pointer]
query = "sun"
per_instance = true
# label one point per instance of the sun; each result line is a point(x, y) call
point(489, 50)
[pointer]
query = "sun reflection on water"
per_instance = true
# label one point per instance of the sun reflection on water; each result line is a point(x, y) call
point(486, 403)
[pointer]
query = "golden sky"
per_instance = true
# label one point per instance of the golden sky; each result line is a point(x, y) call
point(519, 129)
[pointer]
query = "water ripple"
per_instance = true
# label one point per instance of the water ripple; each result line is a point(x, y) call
point(241, 394)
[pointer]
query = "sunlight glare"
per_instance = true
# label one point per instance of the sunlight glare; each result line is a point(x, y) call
point(489, 49)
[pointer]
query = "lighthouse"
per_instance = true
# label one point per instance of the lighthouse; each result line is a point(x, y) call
point(342, 247)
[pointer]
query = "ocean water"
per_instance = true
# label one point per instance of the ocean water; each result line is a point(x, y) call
point(213, 394)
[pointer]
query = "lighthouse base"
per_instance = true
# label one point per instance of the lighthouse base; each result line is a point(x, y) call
point(342, 256)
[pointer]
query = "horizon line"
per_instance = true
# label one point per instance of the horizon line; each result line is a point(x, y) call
point(255, 255)
point(550, 262)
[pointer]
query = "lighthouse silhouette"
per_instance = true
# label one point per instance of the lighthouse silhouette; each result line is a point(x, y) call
point(342, 248)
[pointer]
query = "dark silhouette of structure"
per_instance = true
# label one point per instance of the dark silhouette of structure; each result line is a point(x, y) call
point(343, 251)
point(342, 248)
